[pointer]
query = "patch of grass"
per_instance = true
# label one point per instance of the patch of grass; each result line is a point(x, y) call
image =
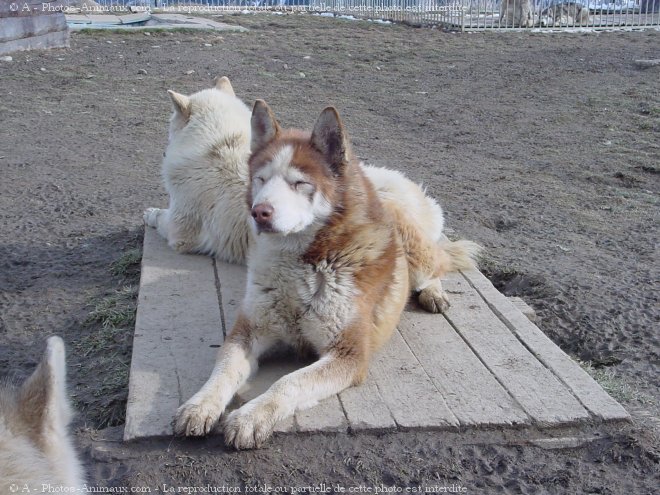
point(98, 341)
point(614, 385)
point(105, 349)
point(105, 404)
point(128, 262)
point(116, 310)
point(488, 265)
point(495, 271)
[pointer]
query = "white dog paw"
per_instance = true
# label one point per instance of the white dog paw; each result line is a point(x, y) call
point(151, 215)
point(433, 299)
point(250, 426)
point(197, 419)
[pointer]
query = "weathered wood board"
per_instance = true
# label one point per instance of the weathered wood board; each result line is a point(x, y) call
point(481, 365)
point(178, 331)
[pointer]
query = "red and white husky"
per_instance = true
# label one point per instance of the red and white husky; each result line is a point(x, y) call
point(328, 271)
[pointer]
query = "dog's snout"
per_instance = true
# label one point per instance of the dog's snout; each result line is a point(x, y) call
point(262, 213)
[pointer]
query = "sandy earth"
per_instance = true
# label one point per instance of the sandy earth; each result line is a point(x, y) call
point(543, 148)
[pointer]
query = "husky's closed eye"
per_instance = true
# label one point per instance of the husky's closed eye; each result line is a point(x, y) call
point(303, 186)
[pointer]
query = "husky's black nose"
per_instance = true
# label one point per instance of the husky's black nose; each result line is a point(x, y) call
point(262, 214)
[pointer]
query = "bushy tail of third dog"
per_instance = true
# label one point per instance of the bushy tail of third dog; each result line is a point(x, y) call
point(459, 255)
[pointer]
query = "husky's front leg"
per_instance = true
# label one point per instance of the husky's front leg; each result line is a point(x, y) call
point(253, 424)
point(236, 361)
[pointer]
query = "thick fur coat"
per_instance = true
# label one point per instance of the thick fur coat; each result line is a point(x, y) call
point(205, 174)
point(35, 446)
point(329, 271)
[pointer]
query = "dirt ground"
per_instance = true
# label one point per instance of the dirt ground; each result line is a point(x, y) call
point(541, 147)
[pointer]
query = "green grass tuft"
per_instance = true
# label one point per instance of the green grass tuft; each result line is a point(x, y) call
point(130, 260)
point(105, 348)
point(116, 310)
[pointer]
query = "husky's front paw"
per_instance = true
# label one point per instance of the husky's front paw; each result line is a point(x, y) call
point(250, 426)
point(194, 419)
point(151, 215)
point(433, 299)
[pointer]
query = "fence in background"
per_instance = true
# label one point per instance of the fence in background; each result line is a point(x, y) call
point(459, 14)
point(558, 14)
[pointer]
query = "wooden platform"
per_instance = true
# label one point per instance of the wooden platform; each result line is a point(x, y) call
point(481, 365)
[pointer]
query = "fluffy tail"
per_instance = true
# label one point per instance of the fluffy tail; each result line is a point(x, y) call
point(459, 255)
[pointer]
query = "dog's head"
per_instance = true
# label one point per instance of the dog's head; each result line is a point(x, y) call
point(295, 177)
point(211, 105)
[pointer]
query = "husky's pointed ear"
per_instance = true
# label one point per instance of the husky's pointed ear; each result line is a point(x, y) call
point(223, 84)
point(264, 126)
point(42, 399)
point(330, 138)
point(181, 103)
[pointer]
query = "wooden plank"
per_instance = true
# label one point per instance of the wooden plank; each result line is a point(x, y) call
point(472, 393)
point(585, 388)
point(365, 408)
point(287, 425)
point(541, 395)
point(177, 333)
point(269, 372)
point(232, 280)
point(408, 392)
point(327, 415)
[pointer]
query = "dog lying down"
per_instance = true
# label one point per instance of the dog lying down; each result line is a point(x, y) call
point(334, 249)
point(35, 449)
point(205, 170)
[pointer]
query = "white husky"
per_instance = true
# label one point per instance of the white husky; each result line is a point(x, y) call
point(205, 174)
point(36, 453)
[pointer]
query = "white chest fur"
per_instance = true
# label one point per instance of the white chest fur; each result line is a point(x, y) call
point(296, 302)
